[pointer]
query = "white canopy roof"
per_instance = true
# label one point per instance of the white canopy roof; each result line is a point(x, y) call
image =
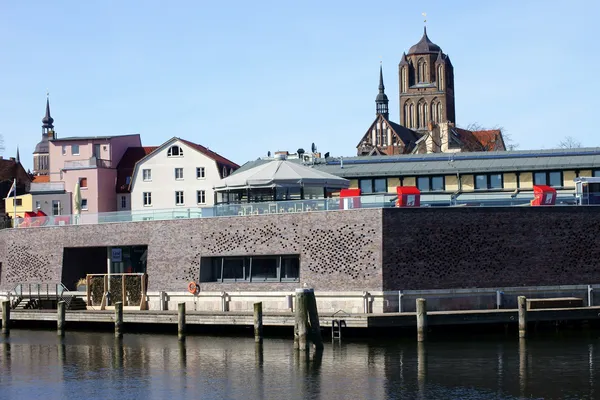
point(281, 173)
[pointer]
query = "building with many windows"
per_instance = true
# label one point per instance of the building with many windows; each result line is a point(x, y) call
point(91, 162)
point(444, 179)
point(176, 174)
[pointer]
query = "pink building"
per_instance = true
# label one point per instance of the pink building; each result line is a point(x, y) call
point(91, 161)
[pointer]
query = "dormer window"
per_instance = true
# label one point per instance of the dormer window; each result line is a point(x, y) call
point(175, 151)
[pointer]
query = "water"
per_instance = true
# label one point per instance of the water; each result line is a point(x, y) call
point(37, 364)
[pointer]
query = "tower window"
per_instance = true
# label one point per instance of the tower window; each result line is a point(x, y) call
point(421, 71)
point(440, 77)
point(175, 151)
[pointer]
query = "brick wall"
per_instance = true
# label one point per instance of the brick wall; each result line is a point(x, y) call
point(490, 247)
point(339, 250)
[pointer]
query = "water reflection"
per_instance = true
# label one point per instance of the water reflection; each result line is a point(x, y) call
point(96, 366)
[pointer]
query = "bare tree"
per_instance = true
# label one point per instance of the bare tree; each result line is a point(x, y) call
point(569, 143)
point(1, 143)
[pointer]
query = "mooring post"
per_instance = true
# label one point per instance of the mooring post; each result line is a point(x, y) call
point(313, 316)
point(421, 320)
point(258, 322)
point(301, 334)
point(118, 319)
point(522, 300)
point(181, 321)
point(5, 317)
point(60, 318)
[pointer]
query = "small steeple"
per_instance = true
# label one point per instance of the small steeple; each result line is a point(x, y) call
point(440, 58)
point(403, 60)
point(18, 158)
point(381, 101)
point(47, 121)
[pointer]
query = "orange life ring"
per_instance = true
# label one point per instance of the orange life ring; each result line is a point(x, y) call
point(193, 287)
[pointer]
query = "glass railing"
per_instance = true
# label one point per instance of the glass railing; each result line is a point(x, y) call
point(471, 199)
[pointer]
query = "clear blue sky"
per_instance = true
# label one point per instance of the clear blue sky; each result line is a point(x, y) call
point(246, 77)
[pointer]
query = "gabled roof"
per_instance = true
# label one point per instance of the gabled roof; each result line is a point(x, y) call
point(222, 162)
point(127, 164)
point(486, 140)
point(407, 136)
point(211, 154)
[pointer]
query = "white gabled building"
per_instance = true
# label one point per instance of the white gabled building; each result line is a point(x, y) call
point(177, 174)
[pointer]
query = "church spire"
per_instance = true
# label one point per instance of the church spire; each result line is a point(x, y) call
point(381, 101)
point(47, 121)
point(18, 158)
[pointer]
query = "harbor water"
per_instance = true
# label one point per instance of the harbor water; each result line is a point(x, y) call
point(95, 365)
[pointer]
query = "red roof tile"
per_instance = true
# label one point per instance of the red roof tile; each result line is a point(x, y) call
point(41, 179)
point(209, 153)
point(491, 139)
point(125, 168)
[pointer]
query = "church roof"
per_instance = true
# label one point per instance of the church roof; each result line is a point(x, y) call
point(425, 46)
point(42, 147)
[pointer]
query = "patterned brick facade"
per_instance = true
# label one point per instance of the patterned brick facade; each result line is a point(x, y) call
point(339, 250)
point(368, 249)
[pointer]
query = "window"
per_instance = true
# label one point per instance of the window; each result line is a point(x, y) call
point(554, 178)
point(56, 209)
point(200, 173)
point(123, 201)
point(431, 183)
point(38, 204)
point(147, 196)
point(179, 198)
point(596, 173)
point(75, 149)
point(84, 204)
point(179, 173)
point(147, 175)
point(201, 196)
point(83, 183)
point(250, 269)
point(492, 181)
point(175, 151)
point(368, 186)
point(64, 150)
point(17, 202)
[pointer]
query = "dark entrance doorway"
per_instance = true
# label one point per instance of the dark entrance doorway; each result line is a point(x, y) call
point(81, 261)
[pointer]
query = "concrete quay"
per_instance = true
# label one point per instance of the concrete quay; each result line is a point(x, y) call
point(286, 319)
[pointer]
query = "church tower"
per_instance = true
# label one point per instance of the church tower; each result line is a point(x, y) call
point(426, 79)
point(381, 101)
point(41, 154)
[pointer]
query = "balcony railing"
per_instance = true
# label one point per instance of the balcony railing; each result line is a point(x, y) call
point(91, 162)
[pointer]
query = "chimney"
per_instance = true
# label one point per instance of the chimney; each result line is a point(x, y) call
point(1, 158)
point(12, 159)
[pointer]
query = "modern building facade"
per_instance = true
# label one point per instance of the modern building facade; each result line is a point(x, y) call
point(177, 174)
point(91, 162)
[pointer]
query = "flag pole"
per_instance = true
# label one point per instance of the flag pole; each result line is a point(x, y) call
point(15, 203)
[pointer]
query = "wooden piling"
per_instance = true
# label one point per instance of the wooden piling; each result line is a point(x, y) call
point(258, 322)
point(421, 320)
point(301, 334)
point(181, 321)
point(522, 301)
point(118, 319)
point(6, 317)
point(313, 315)
point(60, 318)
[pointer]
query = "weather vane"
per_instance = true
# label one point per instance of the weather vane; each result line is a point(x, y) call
point(424, 17)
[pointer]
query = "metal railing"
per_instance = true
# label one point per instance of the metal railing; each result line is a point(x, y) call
point(37, 292)
point(428, 199)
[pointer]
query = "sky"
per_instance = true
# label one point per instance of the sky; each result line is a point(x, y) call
point(244, 78)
